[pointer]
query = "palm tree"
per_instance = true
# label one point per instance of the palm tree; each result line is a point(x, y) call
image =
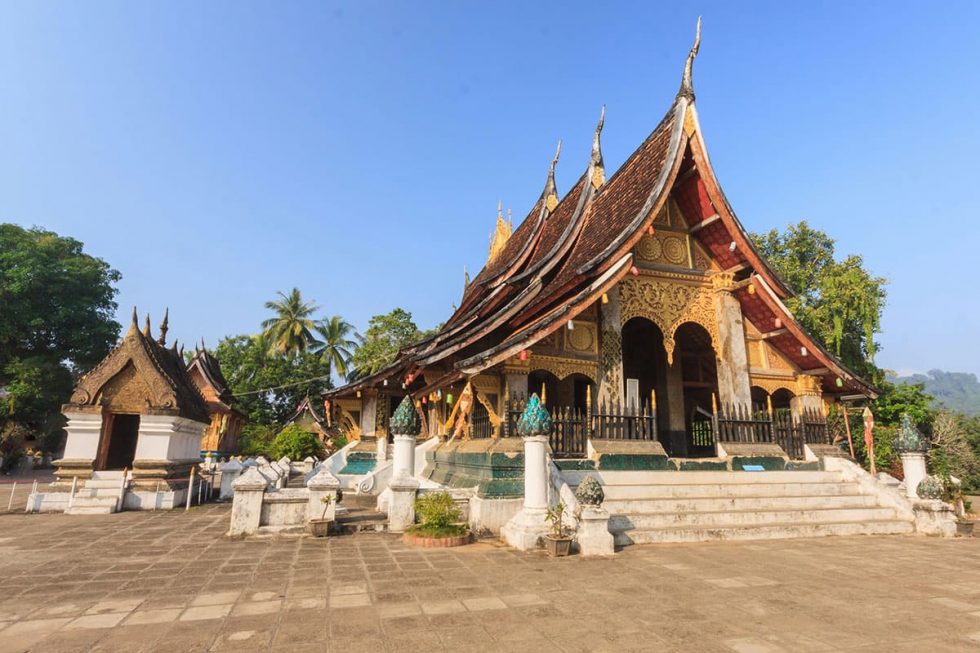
point(291, 330)
point(336, 344)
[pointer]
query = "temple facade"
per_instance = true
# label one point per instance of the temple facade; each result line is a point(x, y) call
point(636, 306)
point(226, 421)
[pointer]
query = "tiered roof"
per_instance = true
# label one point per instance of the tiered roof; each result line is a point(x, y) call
point(564, 256)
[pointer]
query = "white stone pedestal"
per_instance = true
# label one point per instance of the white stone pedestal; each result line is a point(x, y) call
point(914, 468)
point(322, 484)
point(525, 530)
point(230, 471)
point(403, 457)
point(594, 538)
point(401, 507)
point(246, 509)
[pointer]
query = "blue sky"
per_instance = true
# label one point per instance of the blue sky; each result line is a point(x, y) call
point(217, 152)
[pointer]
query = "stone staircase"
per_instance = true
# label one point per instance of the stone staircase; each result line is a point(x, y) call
point(360, 515)
point(722, 505)
point(99, 495)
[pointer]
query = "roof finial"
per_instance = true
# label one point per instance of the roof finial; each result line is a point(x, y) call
point(550, 188)
point(466, 278)
point(687, 85)
point(134, 326)
point(500, 209)
point(146, 326)
point(500, 235)
point(598, 171)
point(164, 327)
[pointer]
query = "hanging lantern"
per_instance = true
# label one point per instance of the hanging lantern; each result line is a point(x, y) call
point(650, 230)
point(404, 385)
point(779, 323)
point(449, 398)
point(439, 394)
point(571, 325)
point(634, 271)
point(840, 382)
point(425, 400)
point(385, 384)
point(803, 351)
point(732, 246)
point(358, 394)
point(523, 355)
point(605, 298)
point(751, 288)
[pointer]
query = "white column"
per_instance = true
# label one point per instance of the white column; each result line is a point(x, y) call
point(525, 530)
point(914, 468)
point(403, 462)
point(246, 509)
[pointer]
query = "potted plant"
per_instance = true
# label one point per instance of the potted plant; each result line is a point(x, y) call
point(558, 541)
point(321, 527)
point(954, 495)
point(440, 522)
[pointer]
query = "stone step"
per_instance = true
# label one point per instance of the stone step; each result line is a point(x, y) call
point(90, 510)
point(762, 531)
point(725, 518)
point(103, 484)
point(722, 503)
point(704, 477)
point(715, 490)
point(92, 505)
point(359, 520)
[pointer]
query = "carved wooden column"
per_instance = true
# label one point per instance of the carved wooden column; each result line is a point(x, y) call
point(808, 395)
point(610, 350)
point(734, 386)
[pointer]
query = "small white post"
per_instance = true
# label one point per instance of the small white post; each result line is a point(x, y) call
point(10, 504)
point(190, 491)
point(122, 490)
point(30, 497)
point(200, 490)
point(525, 529)
point(71, 497)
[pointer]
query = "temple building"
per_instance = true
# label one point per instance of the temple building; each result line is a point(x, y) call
point(137, 423)
point(635, 304)
point(221, 437)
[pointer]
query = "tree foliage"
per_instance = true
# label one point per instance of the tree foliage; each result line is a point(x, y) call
point(290, 331)
point(955, 391)
point(337, 343)
point(297, 444)
point(249, 368)
point(838, 302)
point(385, 336)
point(55, 324)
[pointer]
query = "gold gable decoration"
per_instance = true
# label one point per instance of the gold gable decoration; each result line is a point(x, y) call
point(669, 305)
point(500, 235)
point(565, 367)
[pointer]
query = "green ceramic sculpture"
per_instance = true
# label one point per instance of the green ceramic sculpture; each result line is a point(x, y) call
point(406, 420)
point(930, 488)
point(589, 492)
point(909, 438)
point(535, 420)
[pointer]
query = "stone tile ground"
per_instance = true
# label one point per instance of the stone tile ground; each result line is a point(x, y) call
point(170, 581)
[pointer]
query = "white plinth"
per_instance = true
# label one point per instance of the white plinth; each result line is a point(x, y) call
point(594, 538)
point(403, 457)
point(401, 507)
point(525, 530)
point(914, 468)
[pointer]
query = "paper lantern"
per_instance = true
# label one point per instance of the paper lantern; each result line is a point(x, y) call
point(425, 400)
point(605, 298)
point(751, 288)
point(358, 394)
point(803, 351)
point(571, 325)
point(840, 382)
point(779, 323)
point(523, 355)
point(731, 248)
point(650, 230)
point(449, 398)
point(385, 384)
point(634, 271)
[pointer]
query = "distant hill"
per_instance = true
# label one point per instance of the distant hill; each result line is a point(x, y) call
point(957, 391)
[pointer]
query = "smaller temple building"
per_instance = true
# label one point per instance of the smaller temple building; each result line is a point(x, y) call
point(137, 423)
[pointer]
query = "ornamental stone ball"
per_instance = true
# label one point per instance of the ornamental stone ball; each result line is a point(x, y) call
point(535, 420)
point(406, 420)
point(909, 439)
point(589, 492)
point(930, 488)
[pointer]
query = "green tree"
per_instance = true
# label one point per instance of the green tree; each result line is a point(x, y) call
point(386, 335)
point(269, 387)
point(56, 322)
point(296, 444)
point(337, 343)
point(838, 302)
point(290, 332)
point(898, 398)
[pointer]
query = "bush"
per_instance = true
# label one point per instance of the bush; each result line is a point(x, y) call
point(438, 515)
point(256, 440)
point(296, 444)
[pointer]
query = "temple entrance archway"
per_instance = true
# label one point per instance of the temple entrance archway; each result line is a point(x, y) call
point(645, 361)
point(699, 372)
point(119, 442)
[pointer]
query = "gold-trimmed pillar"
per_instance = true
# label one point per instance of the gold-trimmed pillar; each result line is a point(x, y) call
point(734, 387)
point(610, 350)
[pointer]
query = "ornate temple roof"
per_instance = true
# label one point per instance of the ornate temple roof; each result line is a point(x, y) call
point(566, 254)
point(205, 372)
point(144, 373)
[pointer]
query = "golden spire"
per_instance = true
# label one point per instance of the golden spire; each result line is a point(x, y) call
point(500, 235)
point(598, 171)
point(550, 189)
point(164, 327)
point(687, 84)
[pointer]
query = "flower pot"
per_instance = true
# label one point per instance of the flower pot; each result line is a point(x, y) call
point(964, 528)
point(320, 527)
point(436, 542)
point(557, 547)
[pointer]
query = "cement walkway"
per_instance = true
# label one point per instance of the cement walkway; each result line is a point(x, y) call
point(171, 582)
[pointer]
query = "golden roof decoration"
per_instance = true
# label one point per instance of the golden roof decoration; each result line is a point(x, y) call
point(598, 169)
point(500, 235)
point(551, 201)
